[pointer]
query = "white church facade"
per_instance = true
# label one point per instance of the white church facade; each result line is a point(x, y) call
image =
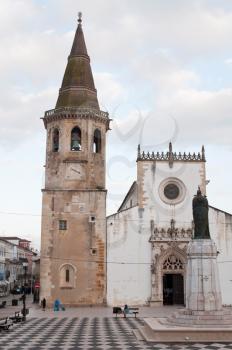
point(147, 238)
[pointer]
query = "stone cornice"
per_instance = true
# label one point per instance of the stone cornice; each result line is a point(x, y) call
point(168, 234)
point(76, 190)
point(70, 160)
point(77, 88)
point(76, 113)
point(171, 156)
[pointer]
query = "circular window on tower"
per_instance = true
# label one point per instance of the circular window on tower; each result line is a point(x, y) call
point(172, 191)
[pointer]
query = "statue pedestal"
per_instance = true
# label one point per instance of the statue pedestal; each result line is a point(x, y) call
point(204, 319)
point(202, 280)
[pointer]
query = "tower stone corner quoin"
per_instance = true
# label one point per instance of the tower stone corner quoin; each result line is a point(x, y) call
point(73, 233)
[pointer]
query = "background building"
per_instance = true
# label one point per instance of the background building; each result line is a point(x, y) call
point(16, 264)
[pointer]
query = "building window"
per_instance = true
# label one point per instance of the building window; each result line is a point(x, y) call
point(97, 141)
point(55, 140)
point(62, 224)
point(93, 251)
point(67, 275)
point(76, 139)
point(171, 191)
point(173, 263)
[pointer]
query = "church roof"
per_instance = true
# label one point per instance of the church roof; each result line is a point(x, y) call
point(78, 89)
point(79, 47)
point(222, 211)
point(14, 238)
point(131, 190)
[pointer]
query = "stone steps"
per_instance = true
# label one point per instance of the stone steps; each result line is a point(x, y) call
point(206, 318)
point(157, 331)
point(200, 323)
point(221, 318)
point(203, 313)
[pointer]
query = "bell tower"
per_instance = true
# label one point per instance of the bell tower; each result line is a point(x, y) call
point(73, 238)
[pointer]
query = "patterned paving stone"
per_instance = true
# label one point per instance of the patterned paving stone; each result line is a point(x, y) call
point(86, 334)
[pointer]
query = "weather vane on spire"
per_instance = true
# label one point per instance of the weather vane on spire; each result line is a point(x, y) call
point(79, 17)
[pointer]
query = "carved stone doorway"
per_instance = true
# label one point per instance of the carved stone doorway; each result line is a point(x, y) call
point(173, 289)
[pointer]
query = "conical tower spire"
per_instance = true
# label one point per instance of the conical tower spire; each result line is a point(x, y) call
point(79, 47)
point(77, 89)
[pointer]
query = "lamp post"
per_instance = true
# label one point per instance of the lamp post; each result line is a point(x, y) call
point(25, 265)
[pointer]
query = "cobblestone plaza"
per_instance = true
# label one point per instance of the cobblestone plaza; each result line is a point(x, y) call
point(87, 328)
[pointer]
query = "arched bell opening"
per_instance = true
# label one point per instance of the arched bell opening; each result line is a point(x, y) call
point(76, 139)
point(55, 140)
point(97, 141)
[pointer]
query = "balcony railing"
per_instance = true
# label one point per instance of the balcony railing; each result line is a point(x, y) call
point(76, 110)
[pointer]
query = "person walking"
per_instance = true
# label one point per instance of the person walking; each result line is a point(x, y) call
point(44, 304)
point(56, 305)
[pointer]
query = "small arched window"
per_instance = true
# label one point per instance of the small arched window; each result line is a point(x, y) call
point(67, 276)
point(97, 141)
point(55, 140)
point(76, 139)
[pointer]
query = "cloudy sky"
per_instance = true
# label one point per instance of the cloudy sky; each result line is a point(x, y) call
point(163, 71)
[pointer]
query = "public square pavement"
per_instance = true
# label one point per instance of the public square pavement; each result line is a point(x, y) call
point(85, 329)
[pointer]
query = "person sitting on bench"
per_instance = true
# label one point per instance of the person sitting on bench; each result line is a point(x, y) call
point(130, 310)
point(126, 310)
point(3, 304)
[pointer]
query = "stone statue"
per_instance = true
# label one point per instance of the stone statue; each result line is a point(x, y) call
point(200, 216)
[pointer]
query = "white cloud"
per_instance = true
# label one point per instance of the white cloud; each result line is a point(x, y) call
point(145, 39)
point(202, 116)
point(191, 29)
point(20, 114)
point(110, 91)
point(164, 72)
point(228, 61)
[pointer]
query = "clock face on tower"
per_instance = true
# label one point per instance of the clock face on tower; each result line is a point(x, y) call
point(74, 171)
